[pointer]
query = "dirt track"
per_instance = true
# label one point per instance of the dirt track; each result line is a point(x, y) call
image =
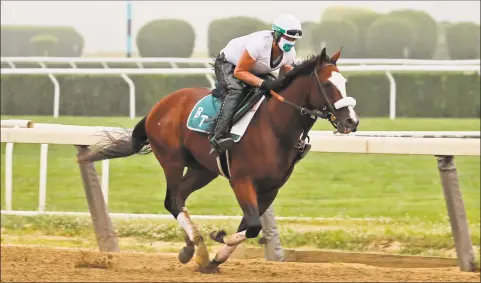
point(47, 264)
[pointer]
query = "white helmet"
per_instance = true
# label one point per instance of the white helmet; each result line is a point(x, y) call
point(288, 25)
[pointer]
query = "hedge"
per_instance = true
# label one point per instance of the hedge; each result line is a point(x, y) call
point(462, 40)
point(388, 37)
point(166, 38)
point(426, 32)
point(44, 44)
point(361, 18)
point(85, 95)
point(336, 13)
point(221, 31)
point(304, 45)
point(418, 94)
point(20, 41)
point(336, 34)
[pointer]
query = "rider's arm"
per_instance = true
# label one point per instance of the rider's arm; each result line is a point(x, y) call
point(291, 60)
point(242, 70)
point(286, 68)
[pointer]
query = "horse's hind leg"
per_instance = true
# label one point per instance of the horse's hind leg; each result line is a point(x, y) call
point(195, 178)
point(172, 161)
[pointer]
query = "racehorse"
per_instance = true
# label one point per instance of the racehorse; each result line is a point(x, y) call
point(258, 165)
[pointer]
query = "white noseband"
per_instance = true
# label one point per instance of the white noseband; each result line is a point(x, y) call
point(344, 102)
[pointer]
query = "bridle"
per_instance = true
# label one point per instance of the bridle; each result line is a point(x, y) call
point(328, 112)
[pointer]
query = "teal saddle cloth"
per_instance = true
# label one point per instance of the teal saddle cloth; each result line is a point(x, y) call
point(204, 113)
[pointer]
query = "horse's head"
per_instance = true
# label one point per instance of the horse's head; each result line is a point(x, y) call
point(328, 94)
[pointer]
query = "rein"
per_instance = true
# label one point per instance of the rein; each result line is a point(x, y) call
point(314, 114)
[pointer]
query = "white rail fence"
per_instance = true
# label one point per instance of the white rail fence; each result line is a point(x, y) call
point(465, 143)
point(139, 61)
point(444, 145)
point(208, 72)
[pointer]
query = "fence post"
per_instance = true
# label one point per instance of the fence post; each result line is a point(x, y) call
point(104, 231)
point(457, 212)
point(271, 239)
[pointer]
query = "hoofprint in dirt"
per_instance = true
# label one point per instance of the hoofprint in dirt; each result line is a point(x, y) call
point(49, 264)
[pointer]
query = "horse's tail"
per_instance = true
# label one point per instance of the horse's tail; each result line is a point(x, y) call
point(126, 145)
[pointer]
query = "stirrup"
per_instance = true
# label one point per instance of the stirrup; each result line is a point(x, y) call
point(303, 149)
point(220, 145)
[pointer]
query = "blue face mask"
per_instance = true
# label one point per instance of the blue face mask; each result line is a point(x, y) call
point(286, 45)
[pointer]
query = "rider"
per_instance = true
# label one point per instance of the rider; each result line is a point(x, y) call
point(250, 59)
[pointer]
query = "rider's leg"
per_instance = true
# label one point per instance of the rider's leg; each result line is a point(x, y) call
point(233, 88)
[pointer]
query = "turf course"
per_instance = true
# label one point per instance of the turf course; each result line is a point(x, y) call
point(323, 185)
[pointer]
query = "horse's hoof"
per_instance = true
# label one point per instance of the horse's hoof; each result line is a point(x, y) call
point(253, 231)
point(262, 241)
point(202, 255)
point(218, 236)
point(186, 254)
point(210, 268)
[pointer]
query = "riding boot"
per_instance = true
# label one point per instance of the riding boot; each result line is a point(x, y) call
point(222, 139)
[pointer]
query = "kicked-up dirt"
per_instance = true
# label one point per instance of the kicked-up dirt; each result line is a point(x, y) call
point(23, 264)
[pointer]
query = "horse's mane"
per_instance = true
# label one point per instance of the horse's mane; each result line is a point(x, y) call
point(302, 68)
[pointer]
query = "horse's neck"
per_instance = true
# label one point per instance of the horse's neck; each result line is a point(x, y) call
point(287, 121)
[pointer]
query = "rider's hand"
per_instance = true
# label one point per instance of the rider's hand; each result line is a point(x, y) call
point(268, 85)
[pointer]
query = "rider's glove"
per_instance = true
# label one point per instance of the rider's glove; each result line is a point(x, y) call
point(268, 85)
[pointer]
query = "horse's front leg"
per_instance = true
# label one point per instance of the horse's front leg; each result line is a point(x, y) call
point(250, 226)
point(246, 195)
point(230, 244)
point(187, 252)
point(232, 241)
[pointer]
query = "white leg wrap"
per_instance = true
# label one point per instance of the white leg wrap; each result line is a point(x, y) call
point(186, 223)
point(235, 239)
point(224, 253)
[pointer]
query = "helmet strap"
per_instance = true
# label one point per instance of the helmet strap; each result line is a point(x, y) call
point(277, 38)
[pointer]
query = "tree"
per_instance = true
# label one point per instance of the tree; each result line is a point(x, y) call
point(221, 31)
point(362, 19)
point(44, 44)
point(390, 38)
point(426, 32)
point(166, 38)
point(304, 45)
point(462, 41)
point(334, 34)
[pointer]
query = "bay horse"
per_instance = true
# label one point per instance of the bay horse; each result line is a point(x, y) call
point(260, 164)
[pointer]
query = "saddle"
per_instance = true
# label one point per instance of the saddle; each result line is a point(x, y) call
point(251, 96)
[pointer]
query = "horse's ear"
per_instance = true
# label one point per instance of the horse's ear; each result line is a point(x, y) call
point(323, 55)
point(323, 52)
point(336, 55)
